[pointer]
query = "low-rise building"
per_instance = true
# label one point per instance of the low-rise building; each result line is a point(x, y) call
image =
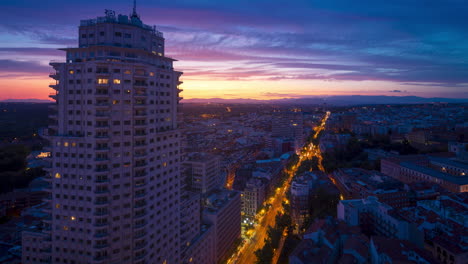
point(376, 218)
point(356, 183)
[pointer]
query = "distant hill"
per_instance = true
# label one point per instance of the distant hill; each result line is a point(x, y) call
point(330, 100)
point(337, 100)
point(25, 101)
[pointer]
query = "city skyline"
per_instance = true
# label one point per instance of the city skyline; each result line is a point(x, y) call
point(262, 50)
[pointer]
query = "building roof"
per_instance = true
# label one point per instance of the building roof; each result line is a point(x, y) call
point(437, 174)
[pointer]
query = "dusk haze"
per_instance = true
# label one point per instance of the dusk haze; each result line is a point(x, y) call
point(263, 49)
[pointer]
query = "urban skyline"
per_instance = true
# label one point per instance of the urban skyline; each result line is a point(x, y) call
point(119, 168)
point(262, 50)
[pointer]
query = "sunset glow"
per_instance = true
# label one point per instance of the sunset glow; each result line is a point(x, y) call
point(238, 50)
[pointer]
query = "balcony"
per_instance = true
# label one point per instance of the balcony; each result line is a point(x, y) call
point(100, 235)
point(101, 245)
point(53, 96)
point(102, 114)
point(140, 246)
point(54, 86)
point(102, 104)
point(140, 215)
point(141, 165)
point(140, 95)
point(139, 155)
point(54, 75)
point(140, 84)
point(140, 74)
point(101, 202)
point(101, 213)
point(140, 125)
point(141, 225)
point(140, 195)
point(100, 258)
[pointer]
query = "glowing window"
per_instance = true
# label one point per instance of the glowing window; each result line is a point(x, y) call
point(73, 144)
point(116, 81)
point(103, 81)
point(65, 144)
point(128, 72)
point(57, 206)
point(73, 218)
point(57, 175)
point(151, 73)
point(71, 71)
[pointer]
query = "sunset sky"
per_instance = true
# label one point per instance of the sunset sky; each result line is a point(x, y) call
point(264, 49)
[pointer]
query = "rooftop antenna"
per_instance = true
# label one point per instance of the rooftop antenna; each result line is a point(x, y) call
point(134, 14)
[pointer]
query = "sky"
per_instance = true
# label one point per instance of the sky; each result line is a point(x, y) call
point(261, 49)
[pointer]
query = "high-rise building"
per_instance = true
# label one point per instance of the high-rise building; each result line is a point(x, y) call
point(289, 125)
point(114, 174)
point(202, 171)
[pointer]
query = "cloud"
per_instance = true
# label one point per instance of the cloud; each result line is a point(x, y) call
point(13, 66)
point(406, 43)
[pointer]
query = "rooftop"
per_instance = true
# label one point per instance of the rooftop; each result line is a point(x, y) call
point(110, 17)
point(437, 174)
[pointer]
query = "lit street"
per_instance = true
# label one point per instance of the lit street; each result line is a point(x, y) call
point(246, 252)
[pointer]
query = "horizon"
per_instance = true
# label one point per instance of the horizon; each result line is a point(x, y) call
point(258, 51)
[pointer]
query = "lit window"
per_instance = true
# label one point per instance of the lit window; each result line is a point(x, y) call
point(73, 144)
point(151, 73)
point(73, 218)
point(65, 228)
point(165, 164)
point(65, 144)
point(116, 81)
point(57, 175)
point(103, 81)
point(71, 71)
point(57, 206)
point(115, 102)
point(128, 72)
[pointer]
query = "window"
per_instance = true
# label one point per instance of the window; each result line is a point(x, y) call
point(118, 34)
point(116, 81)
point(103, 81)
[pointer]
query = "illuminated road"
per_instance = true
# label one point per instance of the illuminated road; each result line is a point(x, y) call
point(246, 252)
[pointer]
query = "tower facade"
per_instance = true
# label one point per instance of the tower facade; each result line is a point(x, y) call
point(114, 174)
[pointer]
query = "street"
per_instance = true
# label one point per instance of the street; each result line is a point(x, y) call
point(246, 252)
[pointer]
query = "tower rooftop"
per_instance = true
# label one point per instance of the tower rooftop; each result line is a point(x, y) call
point(110, 17)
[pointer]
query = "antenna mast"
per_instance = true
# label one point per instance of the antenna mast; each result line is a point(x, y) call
point(134, 14)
